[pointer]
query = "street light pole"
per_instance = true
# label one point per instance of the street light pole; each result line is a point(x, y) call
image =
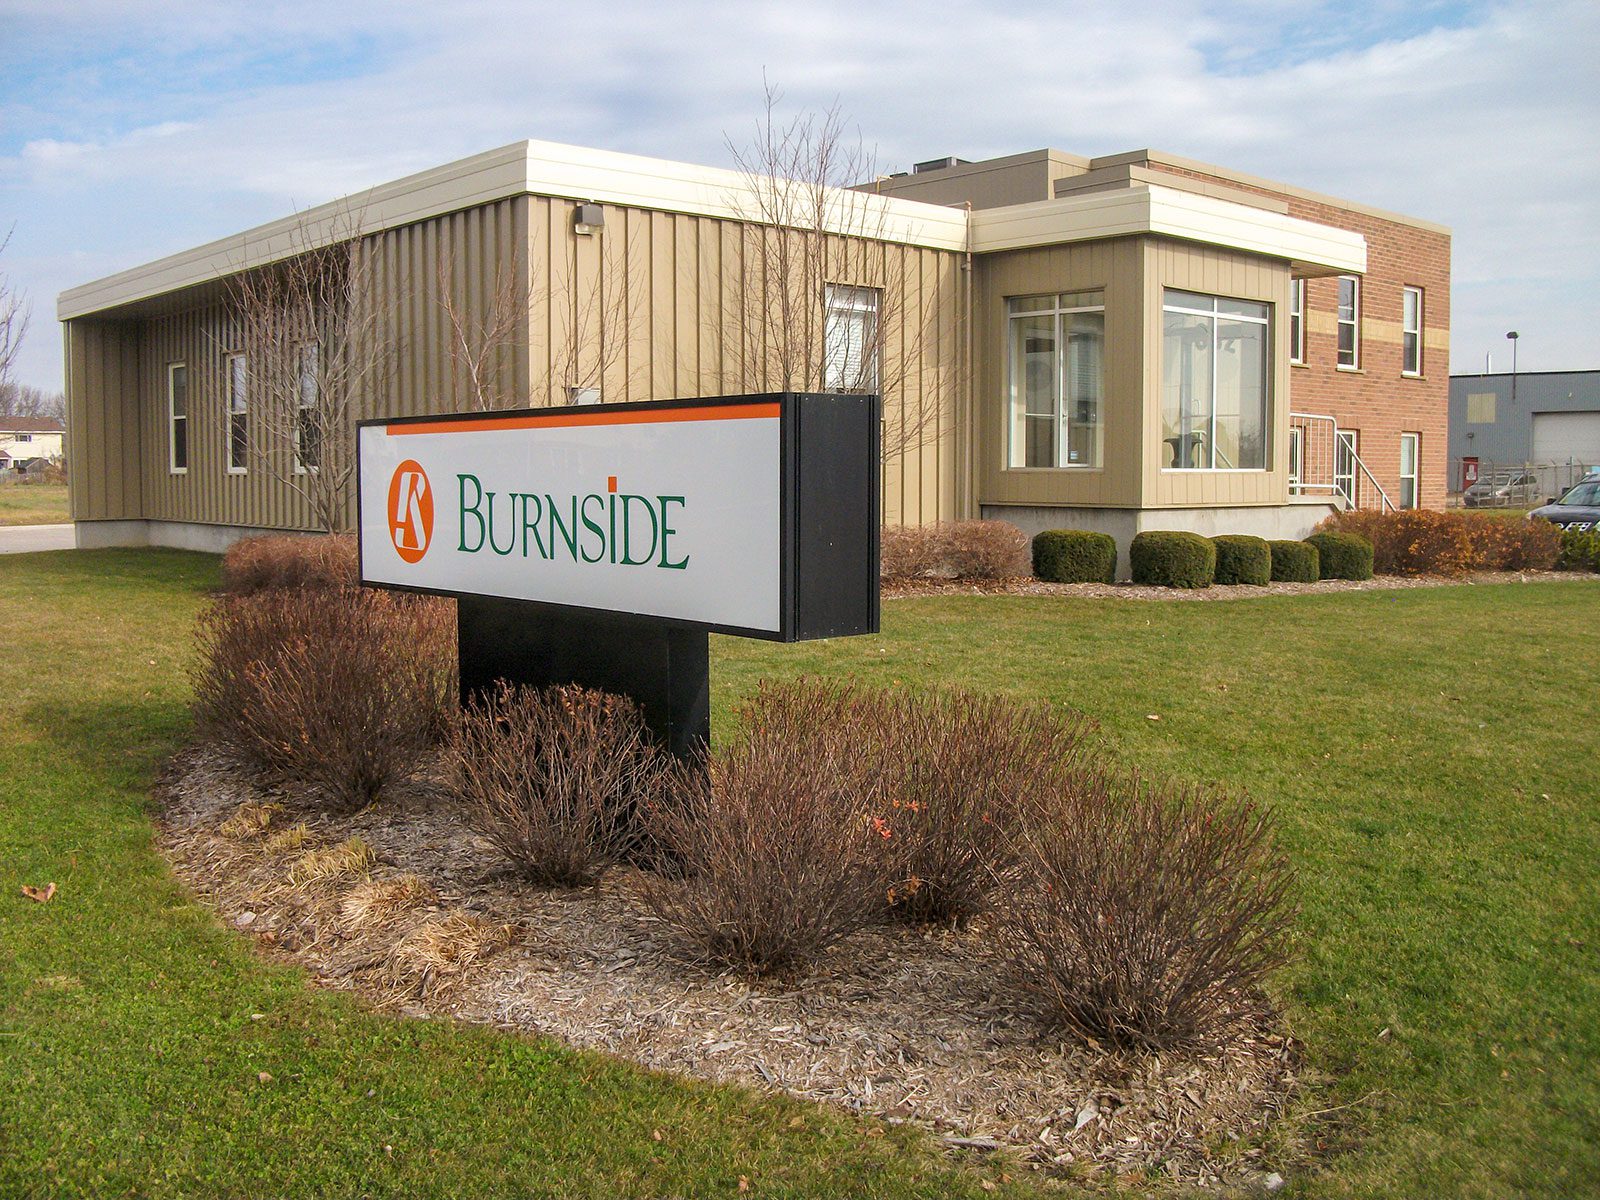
point(1513, 335)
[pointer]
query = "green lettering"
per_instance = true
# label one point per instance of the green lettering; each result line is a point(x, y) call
point(530, 524)
point(594, 528)
point(463, 480)
point(494, 545)
point(569, 533)
point(667, 531)
point(627, 532)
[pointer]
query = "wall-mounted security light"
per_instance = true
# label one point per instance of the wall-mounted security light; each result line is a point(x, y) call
point(587, 218)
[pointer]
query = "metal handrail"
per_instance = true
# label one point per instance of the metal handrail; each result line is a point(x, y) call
point(1355, 456)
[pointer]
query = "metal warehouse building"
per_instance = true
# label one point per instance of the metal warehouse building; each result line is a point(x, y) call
point(1121, 343)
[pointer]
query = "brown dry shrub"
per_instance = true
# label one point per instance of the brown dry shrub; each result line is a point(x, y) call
point(350, 857)
point(773, 835)
point(954, 770)
point(437, 954)
point(1419, 541)
point(251, 819)
point(336, 693)
point(556, 778)
point(379, 902)
point(272, 561)
point(955, 550)
point(1143, 915)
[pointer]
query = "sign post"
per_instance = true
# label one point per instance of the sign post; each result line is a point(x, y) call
point(601, 544)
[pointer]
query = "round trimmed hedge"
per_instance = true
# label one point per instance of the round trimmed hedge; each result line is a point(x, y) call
point(1294, 562)
point(1075, 556)
point(1169, 558)
point(1342, 555)
point(1242, 558)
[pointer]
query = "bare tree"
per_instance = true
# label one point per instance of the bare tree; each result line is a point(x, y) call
point(828, 305)
point(23, 400)
point(483, 337)
point(315, 347)
point(14, 317)
point(593, 319)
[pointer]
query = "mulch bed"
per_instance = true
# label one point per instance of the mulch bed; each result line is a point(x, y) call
point(902, 1025)
point(1027, 586)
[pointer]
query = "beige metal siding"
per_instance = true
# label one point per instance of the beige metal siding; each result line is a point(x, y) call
point(103, 438)
point(1215, 272)
point(1114, 266)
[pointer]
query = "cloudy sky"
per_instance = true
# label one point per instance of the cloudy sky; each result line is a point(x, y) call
point(132, 130)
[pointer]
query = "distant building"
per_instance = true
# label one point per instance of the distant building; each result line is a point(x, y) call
point(1548, 422)
point(23, 439)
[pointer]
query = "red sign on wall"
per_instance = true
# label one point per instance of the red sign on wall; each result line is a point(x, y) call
point(1469, 472)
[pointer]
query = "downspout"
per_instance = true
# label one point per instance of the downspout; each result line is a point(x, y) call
point(969, 506)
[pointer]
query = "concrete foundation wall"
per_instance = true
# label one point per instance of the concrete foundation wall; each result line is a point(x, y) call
point(1276, 521)
point(180, 535)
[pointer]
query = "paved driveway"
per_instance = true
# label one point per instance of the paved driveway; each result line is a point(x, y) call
point(21, 539)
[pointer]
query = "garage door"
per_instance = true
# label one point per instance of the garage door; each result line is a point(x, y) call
point(1566, 436)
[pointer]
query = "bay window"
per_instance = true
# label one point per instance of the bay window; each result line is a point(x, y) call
point(1215, 382)
point(1057, 379)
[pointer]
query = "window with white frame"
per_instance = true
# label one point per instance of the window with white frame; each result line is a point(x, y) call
point(1297, 453)
point(1349, 322)
point(1216, 387)
point(850, 339)
point(1057, 369)
point(1345, 457)
point(178, 418)
point(238, 414)
point(1297, 321)
point(1410, 464)
point(1411, 331)
point(308, 424)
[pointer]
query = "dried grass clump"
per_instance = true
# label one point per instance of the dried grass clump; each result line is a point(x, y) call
point(350, 857)
point(953, 771)
point(287, 841)
point(335, 693)
point(439, 952)
point(556, 778)
point(775, 836)
point(251, 819)
point(954, 550)
point(1143, 915)
point(277, 561)
point(378, 902)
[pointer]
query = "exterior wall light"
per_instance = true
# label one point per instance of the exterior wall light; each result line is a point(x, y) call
point(587, 218)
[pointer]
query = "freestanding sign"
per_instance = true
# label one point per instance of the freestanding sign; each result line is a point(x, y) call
point(599, 544)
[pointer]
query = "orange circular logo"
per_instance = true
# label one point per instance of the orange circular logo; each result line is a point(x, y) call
point(410, 511)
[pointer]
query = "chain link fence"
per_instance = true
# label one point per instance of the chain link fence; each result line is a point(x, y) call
point(1493, 483)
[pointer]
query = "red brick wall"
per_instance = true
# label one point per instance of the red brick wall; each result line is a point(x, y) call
point(1376, 400)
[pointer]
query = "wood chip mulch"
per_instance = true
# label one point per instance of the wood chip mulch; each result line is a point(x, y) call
point(1027, 586)
point(901, 1025)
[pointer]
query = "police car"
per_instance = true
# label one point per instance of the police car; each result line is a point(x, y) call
point(1579, 509)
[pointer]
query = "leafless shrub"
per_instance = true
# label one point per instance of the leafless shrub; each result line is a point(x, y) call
point(774, 836)
point(954, 550)
point(954, 771)
point(337, 693)
point(1146, 916)
point(258, 564)
point(557, 778)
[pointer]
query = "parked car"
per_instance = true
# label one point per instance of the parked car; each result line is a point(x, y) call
point(1503, 489)
point(1578, 509)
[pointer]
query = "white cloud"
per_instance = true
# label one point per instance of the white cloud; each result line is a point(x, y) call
point(1486, 123)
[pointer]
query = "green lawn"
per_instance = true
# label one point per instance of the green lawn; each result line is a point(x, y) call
point(1428, 752)
point(33, 504)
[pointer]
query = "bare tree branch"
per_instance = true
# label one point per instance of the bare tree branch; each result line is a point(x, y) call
point(15, 314)
point(482, 338)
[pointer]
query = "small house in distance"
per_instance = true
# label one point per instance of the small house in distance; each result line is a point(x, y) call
point(27, 440)
point(1131, 342)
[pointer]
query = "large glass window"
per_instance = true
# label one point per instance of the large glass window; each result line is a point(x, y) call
point(1215, 382)
point(1057, 379)
point(1411, 331)
point(850, 339)
point(178, 418)
point(238, 414)
point(1349, 321)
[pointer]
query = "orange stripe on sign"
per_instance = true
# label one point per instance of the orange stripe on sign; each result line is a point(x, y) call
point(560, 419)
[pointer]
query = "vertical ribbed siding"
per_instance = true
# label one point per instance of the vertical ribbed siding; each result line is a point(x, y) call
point(658, 302)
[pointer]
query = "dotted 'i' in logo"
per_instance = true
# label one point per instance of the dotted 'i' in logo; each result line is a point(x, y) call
point(410, 511)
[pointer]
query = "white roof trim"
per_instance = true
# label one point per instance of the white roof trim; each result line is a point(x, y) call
point(523, 168)
point(1152, 209)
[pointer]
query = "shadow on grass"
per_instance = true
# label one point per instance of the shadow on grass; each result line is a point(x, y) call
point(122, 743)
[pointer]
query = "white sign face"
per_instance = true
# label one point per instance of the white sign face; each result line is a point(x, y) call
point(664, 512)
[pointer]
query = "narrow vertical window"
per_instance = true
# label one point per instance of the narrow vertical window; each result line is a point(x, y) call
point(308, 424)
point(1057, 377)
point(1344, 466)
point(1297, 321)
point(850, 339)
point(1297, 445)
point(1349, 322)
point(238, 414)
point(1410, 463)
point(1411, 332)
point(178, 418)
